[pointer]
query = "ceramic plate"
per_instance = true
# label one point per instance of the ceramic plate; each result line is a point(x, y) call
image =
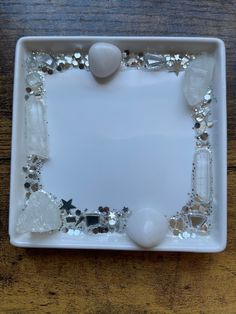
point(127, 141)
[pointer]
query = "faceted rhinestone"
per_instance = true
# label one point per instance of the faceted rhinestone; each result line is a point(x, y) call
point(196, 220)
point(154, 61)
point(34, 79)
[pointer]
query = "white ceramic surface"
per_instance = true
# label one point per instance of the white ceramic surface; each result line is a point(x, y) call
point(127, 141)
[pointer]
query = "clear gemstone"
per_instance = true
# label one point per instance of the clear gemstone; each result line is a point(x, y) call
point(44, 59)
point(68, 59)
point(32, 64)
point(132, 62)
point(154, 61)
point(196, 220)
point(34, 79)
point(77, 55)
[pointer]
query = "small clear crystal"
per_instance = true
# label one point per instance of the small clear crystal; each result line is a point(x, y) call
point(154, 61)
point(196, 220)
point(77, 55)
point(44, 59)
point(34, 79)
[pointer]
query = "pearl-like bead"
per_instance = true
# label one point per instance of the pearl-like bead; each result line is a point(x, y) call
point(147, 227)
point(104, 59)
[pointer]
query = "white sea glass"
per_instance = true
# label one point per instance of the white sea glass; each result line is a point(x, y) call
point(41, 214)
point(197, 78)
point(202, 180)
point(36, 128)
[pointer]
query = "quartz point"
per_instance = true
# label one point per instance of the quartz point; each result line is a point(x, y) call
point(197, 78)
point(154, 61)
point(41, 214)
point(36, 128)
point(202, 180)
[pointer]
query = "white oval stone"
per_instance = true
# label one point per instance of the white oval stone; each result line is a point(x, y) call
point(147, 227)
point(104, 59)
point(197, 78)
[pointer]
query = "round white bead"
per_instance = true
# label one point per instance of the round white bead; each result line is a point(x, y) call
point(147, 227)
point(104, 59)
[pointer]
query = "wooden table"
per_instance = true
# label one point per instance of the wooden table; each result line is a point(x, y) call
point(57, 281)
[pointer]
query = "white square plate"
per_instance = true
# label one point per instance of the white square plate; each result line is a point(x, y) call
point(127, 141)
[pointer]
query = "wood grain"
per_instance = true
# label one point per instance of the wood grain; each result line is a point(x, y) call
point(57, 281)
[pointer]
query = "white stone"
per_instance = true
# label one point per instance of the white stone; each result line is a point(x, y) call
point(104, 59)
point(36, 128)
point(147, 227)
point(197, 78)
point(202, 181)
point(41, 214)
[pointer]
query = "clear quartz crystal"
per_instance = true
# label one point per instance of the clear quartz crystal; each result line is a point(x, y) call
point(41, 214)
point(197, 79)
point(36, 128)
point(202, 180)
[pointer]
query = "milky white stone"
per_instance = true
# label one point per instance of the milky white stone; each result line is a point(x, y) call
point(202, 181)
point(41, 214)
point(36, 128)
point(104, 59)
point(147, 227)
point(197, 78)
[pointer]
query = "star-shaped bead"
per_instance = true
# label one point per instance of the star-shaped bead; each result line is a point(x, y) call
point(67, 205)
point(176, 68)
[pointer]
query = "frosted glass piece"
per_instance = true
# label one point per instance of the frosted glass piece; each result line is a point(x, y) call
point(202, 181)
point(41, 214)
point(197, 78)
point(36, 128)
